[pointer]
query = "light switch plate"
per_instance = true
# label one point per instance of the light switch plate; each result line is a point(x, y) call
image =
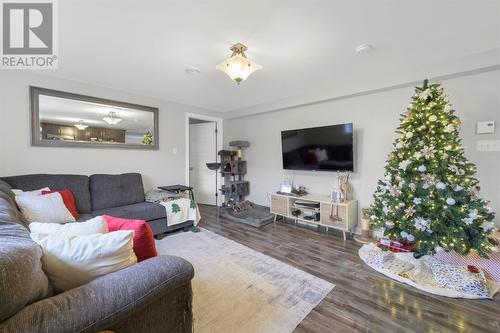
point(488, 145)
point(485, 127)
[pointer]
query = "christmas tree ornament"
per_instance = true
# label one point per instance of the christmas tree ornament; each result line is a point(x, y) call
point(404, 164)
point(424, 94)
point(449, 128)
point(409, 212)
point(450, 201)
point(440, 186)
point(440, 207)
point(389, 224)
point(428, 152)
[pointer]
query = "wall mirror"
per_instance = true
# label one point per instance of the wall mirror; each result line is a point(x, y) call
point(62, 119)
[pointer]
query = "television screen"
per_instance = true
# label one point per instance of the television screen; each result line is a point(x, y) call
point(327, 148)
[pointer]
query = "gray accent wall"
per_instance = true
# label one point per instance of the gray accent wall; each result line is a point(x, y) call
point(375, 116)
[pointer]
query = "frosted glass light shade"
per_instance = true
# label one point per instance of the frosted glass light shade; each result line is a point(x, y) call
point(111, 118)
point(238, 68)
point(81, 125)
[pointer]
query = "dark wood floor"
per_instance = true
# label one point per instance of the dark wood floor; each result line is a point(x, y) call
point(362, 300)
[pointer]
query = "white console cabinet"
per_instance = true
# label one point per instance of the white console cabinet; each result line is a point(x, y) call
point(342, 215)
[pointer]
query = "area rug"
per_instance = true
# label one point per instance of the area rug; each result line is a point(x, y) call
point(237, 289)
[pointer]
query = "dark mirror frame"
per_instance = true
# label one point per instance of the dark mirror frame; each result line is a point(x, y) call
point(35, 92)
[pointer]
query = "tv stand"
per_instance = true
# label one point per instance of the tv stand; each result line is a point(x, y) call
point(342, 216)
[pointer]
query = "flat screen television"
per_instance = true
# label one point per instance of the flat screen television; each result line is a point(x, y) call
point(325, 148)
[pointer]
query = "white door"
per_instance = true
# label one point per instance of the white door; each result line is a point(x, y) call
point(202, 150)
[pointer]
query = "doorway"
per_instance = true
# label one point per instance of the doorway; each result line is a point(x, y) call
point(204, 140)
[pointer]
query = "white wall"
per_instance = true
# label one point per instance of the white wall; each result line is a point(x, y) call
point(159, 167)
point(375, 118)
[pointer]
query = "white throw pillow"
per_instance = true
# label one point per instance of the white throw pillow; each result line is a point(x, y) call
point(47, 208)
point(30, 193)
point(72, 261)
point(97, 225)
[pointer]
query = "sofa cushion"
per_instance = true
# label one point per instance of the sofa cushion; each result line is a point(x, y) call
point(22, 280)
point(35, 193)
point(97, 225)
point(9, 212)
point(7, 189)
point(68, 199)
point(140, 211)
point(110, 191)
point(47, 208)
point(78, 184)
point(71, 261)
point(144, 242)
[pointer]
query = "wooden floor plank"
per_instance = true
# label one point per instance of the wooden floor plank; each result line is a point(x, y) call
point(363, 300)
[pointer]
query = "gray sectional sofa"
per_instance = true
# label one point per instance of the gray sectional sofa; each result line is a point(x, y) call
point(152, 296)
point(115, 195)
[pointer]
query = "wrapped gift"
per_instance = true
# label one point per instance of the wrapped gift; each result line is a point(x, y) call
point(378, 258)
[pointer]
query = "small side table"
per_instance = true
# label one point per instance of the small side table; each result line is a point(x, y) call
point(177, 189)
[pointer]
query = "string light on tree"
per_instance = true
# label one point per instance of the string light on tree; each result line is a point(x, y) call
point(429, 194)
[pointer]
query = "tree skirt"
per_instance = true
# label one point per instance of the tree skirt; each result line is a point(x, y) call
point(424, 273)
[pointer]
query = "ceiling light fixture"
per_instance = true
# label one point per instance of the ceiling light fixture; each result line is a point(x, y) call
point(238, 67)
point(81, 125)
point(111, 118)
point(363, 48)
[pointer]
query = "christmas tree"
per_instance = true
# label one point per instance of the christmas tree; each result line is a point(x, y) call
point(429, 195)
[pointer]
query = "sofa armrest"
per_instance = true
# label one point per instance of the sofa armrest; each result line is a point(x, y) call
point(105, 301)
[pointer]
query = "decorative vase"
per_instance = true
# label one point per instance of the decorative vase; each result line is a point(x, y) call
point(365, 228)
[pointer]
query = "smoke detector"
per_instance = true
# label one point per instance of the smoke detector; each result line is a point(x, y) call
point(363, 48)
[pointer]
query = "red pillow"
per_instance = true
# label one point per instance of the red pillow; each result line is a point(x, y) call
point(68, 199)
point(144, 242)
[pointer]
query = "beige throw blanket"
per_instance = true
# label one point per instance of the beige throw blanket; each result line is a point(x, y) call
point(181, 210)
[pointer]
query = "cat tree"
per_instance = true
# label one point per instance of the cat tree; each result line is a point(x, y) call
point(235, 188)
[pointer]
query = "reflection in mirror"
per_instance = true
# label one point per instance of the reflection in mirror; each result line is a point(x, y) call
point(67, 119)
